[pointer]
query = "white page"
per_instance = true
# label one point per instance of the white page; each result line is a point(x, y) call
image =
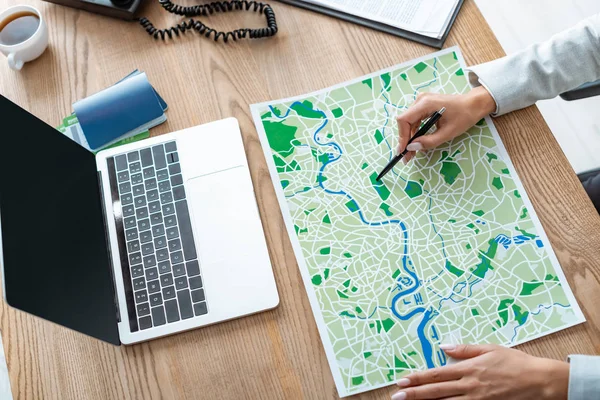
point(426, 17)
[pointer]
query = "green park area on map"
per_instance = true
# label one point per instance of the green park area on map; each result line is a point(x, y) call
point(441, 250)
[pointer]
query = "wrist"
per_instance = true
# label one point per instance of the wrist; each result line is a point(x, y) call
point(481, 101)
point(556, 379)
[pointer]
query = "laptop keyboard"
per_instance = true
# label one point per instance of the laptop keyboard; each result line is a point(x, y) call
point(165, 273)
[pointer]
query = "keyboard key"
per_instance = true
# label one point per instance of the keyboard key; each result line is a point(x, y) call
point(152, 195)
point(133, 156)
point(179, 193)
point(141, 296)
point(146, 156)
point(168, 209)
point(143, 309)
point(151, 184)
point(158, 316)
point(125, 187)
point(151, 274)
point(135, 167)
point(170, 220)
point(200, 309)
point(138, 190)
point(155, 299)
point(176, 257)
point(159, 156)
point(121, 162)
point(127, 210)
point(172, 158)
point(172, 233)
point(164, 267)
point(196, 282)
point(139, 283)
point(160, 242)
point(193, 268)
point(147, 249)
point(164, 186)
point(137, 271)
point(170, 147)
point(174, 169)
point(149, 173)
point(133, 246)
point(174, 245)
point(156, 218)
point(141, 213)
point(145, 237)
point(162, 175)
point(154, 207)
point(178, 270)
point(181, 282)
point(185, 230)
point(140, 201)
point(166, 197)
point(166, 280)
point(129, 222)
point(135, 258)
point(126, 198)
point(168, 292)
point(136, 179)
point(145, 322)
point(172, 311)
point(176, 180)
point(185, 304)
point(153, 286)
point(162, 255)
point(131, 234)
point(158, 230)
point(123, 176)
point(149, 261)
point(197, 295)
point(144, 224)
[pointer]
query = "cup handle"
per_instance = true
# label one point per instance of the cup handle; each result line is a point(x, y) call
point(13, 63)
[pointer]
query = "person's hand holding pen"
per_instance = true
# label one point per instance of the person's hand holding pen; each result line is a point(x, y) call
point(462, 112)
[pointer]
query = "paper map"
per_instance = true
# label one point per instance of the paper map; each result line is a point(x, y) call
point(447, 249)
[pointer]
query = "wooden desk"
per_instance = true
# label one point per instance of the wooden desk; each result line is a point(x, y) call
point(276, 354)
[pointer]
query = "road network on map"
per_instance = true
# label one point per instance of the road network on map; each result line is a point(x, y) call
point(443, 249)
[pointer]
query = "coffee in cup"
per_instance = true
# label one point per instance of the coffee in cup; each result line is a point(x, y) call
point(23, 35)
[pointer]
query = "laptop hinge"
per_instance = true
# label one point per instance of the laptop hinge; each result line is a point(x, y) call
point(110, 254)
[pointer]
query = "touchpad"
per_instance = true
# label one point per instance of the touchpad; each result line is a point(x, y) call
point(224, 213)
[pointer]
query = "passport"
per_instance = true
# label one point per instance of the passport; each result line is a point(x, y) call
point(122, 110)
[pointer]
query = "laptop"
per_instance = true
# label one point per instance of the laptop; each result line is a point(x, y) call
point(137, 242)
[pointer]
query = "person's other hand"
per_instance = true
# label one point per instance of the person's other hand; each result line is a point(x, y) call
point(488, 372)
point(462, 112)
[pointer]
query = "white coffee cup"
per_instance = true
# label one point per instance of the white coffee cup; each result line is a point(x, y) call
point(30, 49)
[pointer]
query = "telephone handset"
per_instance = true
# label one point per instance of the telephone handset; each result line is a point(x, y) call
point(208, 9)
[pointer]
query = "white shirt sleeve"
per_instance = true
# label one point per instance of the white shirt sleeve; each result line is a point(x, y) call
point(584, 377)
point(542, 71)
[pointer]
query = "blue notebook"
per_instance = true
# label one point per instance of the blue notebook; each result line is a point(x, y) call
point(130, 106)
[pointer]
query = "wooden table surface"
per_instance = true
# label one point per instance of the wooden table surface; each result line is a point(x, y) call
point(276, 354)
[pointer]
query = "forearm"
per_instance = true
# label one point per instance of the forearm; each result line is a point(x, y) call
point(584, 378)
point(544, 70)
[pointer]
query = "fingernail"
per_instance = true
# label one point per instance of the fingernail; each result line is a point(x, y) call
point(447, 347)
point(404, 161)
point(404, 382)
point(415, 146)
point(399, 396)
point(398, 149)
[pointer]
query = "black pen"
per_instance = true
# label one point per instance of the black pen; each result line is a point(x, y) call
point(431, 121)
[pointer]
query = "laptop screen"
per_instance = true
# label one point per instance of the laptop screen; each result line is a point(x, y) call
point(54, 254)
